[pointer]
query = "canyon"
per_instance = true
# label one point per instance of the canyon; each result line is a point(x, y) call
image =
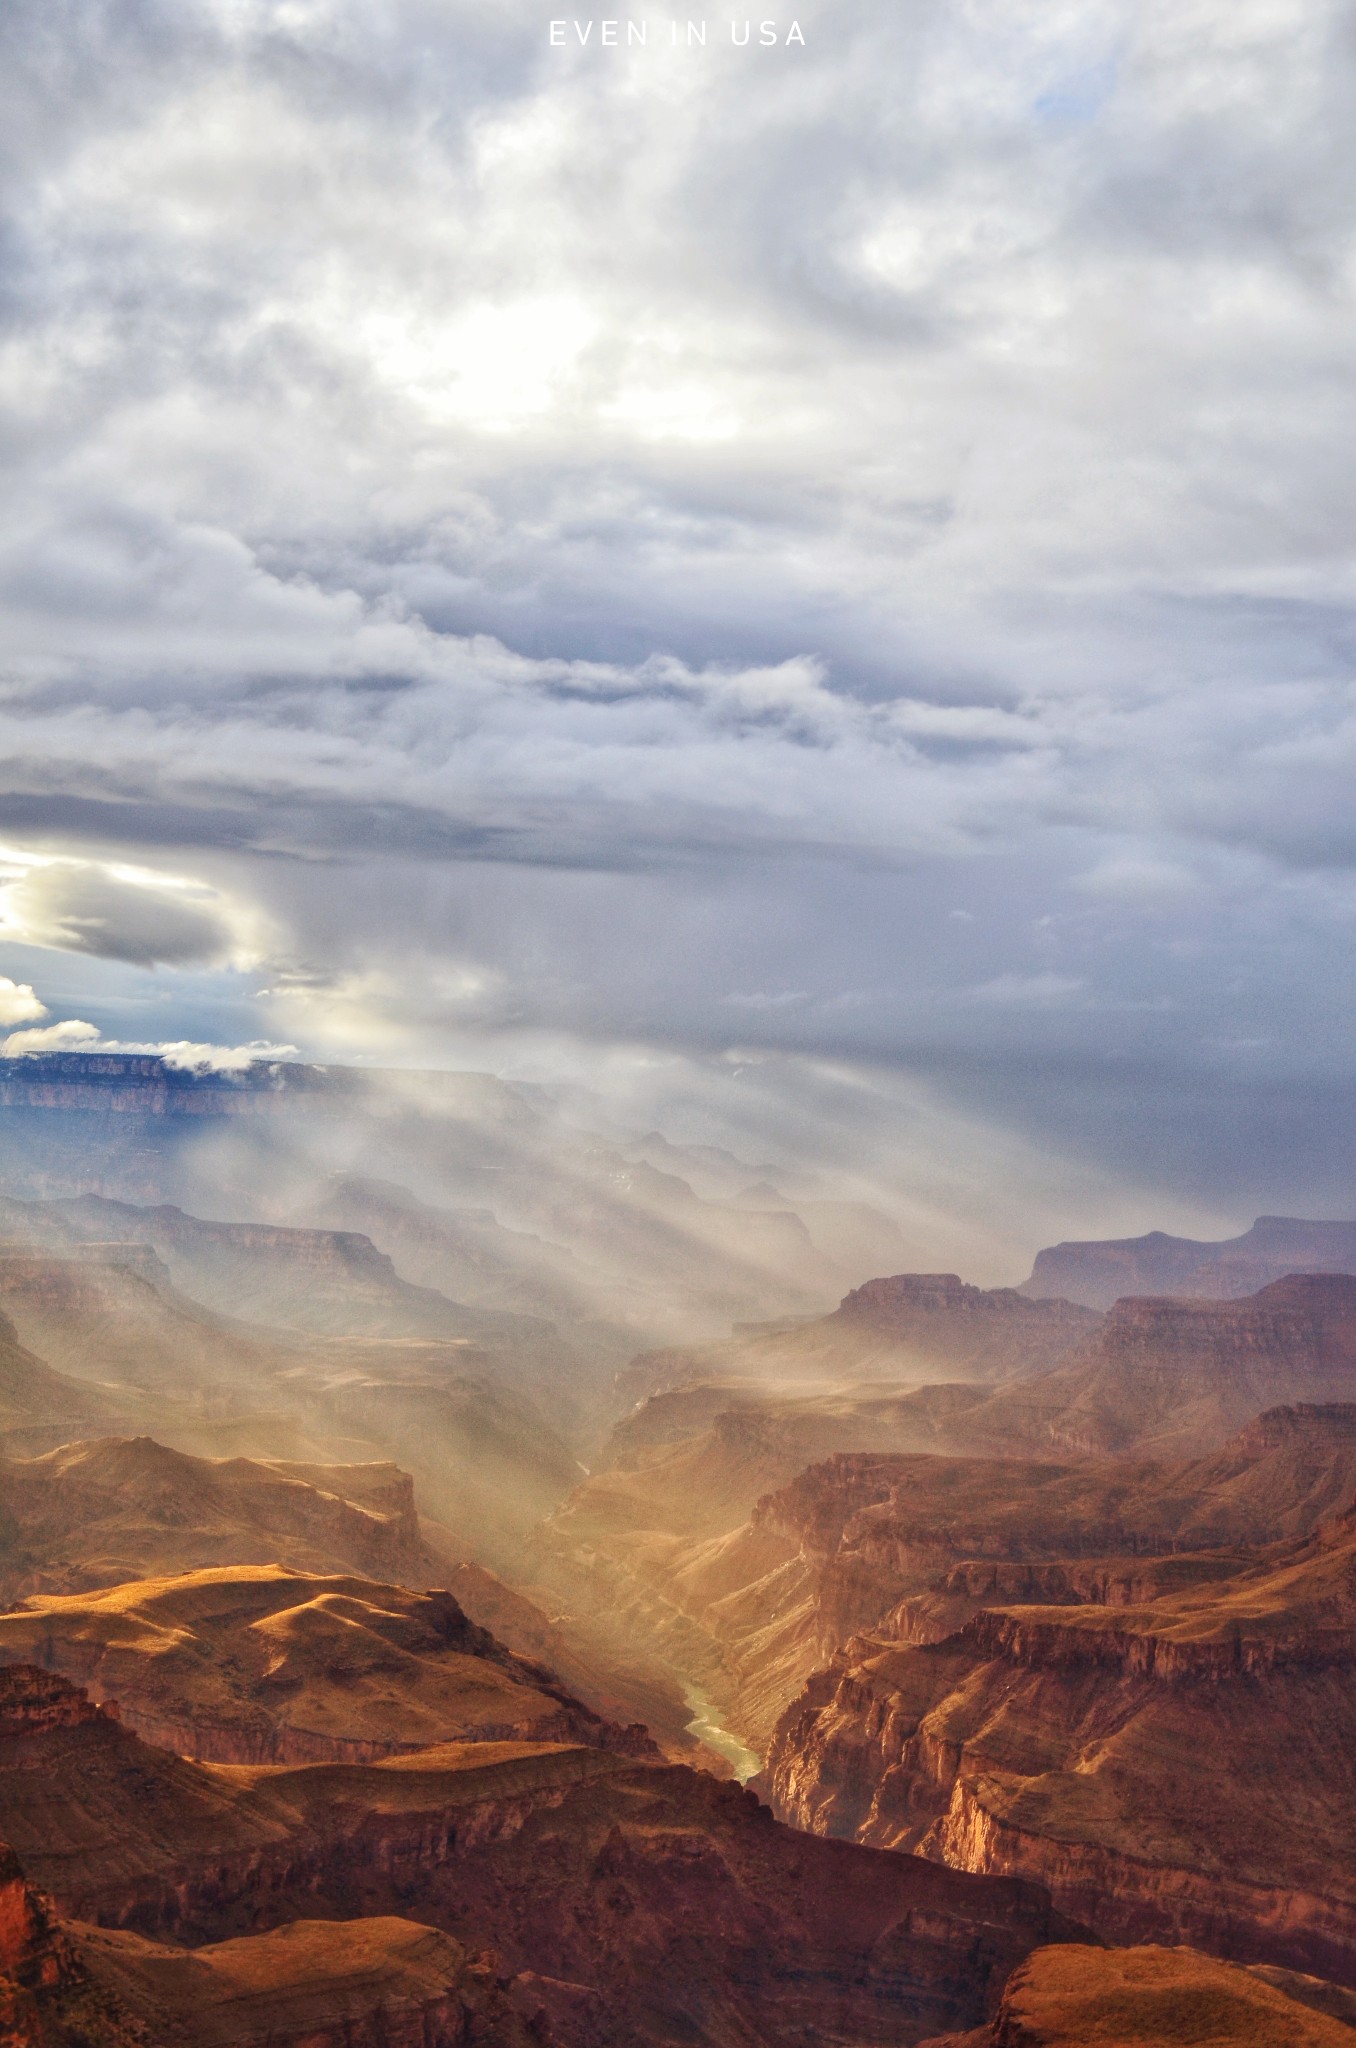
point(398, 1564)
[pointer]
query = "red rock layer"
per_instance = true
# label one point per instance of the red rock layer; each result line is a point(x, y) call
point(1178, 1771)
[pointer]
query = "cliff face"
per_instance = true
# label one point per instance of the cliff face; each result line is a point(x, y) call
point(629, 1903)
point(1175, 1378)
point(1099, 1272)
point(264, 1665)
point(1174, 1771)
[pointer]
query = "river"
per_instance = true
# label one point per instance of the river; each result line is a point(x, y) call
point(743, 1762)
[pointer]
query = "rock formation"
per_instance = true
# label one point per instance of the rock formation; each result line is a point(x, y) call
point(1175, 1770)
point(910, 1327)
point(1176, 1377)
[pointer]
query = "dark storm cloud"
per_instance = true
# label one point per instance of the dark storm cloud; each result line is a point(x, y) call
point(845, 551)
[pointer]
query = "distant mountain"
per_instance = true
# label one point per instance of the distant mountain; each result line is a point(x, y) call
point(38, 1405)
point(138, 1357)
point(911, 1326)
point(493, 1194)
point(1101, 1271)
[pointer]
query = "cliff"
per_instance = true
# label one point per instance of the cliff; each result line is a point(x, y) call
point(1173, 1771)
point(632, 1903)
point(1175, 1378)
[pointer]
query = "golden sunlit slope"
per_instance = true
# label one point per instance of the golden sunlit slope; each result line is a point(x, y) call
point(256, 1664)
point(1155, 1998)
point(96, 1513)
point(313, 1984)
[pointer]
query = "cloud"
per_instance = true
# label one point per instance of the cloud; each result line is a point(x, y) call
point(187, 1057)
point(69, 1036)
point(892, 542)
point(115, 912)
point(18, 1004)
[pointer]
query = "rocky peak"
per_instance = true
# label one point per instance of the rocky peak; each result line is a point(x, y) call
point(33, 1702)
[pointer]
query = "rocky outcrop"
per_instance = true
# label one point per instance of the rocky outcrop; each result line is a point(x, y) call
point(375, 1983)
point(1100, 1271)
point(629, 1903)
point(1174, 1771)
point(1158, 1998)
point(254, 1665)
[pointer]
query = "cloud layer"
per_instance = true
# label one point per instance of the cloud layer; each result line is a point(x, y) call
point(842, 553)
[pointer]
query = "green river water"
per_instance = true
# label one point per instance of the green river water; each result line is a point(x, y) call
point(743, 1761)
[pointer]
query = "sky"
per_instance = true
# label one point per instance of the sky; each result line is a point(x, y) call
point(750, 578)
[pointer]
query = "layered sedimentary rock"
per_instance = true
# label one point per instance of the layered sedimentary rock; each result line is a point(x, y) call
point(1177, 1770)
point(1152, 1997)
point(382, 1982)
point(261, 1664)
point(908, 1327)
point(1169, 1377)
point(375, 1983)
point(628, 1903)
point(97, 1513)
point(1099, 1272)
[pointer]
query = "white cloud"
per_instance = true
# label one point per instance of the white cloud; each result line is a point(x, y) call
point(70, 1036)
point(18, 1004)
